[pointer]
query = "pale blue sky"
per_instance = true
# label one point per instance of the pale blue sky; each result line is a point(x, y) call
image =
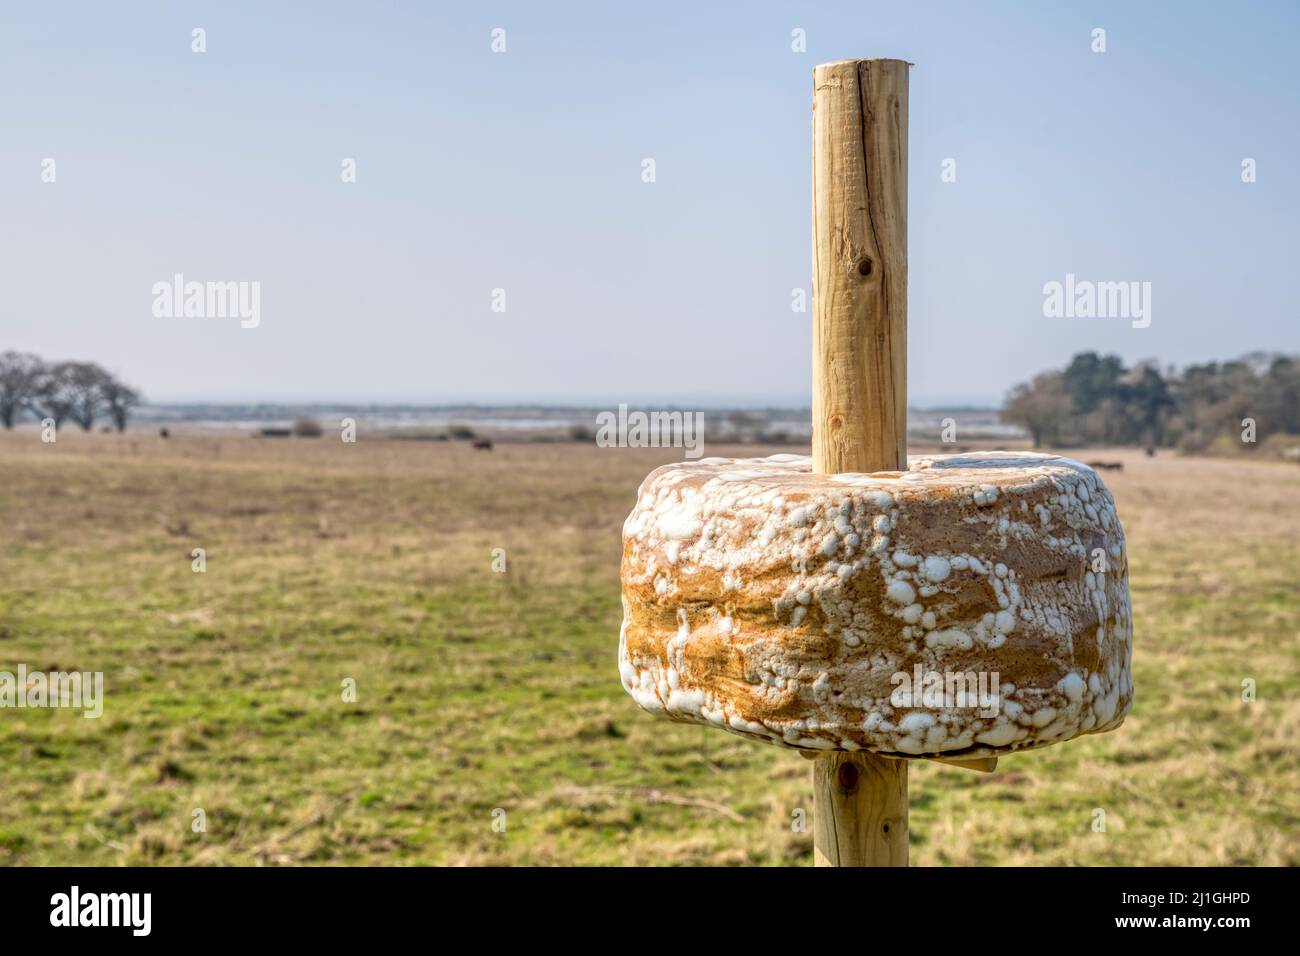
point(522, 171)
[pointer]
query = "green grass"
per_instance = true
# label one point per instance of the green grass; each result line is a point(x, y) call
point(479, 692)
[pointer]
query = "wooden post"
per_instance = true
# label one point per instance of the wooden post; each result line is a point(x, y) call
point(860, 266)
point(859, 810)
point(859, 404)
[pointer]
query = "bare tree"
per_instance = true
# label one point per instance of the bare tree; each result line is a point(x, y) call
point(120, 399)
point(51, 397)
point(83, 384)
point(1042, 407)
point(19, 374)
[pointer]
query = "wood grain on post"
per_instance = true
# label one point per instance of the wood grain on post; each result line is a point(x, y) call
point(860, 266)
point(859, 405)
point(859, 810)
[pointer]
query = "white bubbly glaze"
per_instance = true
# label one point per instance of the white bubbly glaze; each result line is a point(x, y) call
point(779, 604)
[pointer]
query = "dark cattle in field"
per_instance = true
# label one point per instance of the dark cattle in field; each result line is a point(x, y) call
point(483, 444)
point(1106, 465)
point(164, 433)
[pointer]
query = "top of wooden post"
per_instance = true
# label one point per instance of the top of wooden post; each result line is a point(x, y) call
point(864, 59)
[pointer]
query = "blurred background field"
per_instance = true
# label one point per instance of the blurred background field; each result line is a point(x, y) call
point(480, 691)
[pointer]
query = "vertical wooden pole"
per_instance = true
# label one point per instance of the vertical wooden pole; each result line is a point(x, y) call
point(860, 266)
point(859, 810)
point(859, 403)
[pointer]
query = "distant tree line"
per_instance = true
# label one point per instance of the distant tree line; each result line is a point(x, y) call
point(80, 392)
point(1096, 400)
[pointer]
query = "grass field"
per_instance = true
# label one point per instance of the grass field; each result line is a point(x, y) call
point(479, 691)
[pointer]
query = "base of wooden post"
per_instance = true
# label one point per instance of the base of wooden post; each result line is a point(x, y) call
point(859, 810)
